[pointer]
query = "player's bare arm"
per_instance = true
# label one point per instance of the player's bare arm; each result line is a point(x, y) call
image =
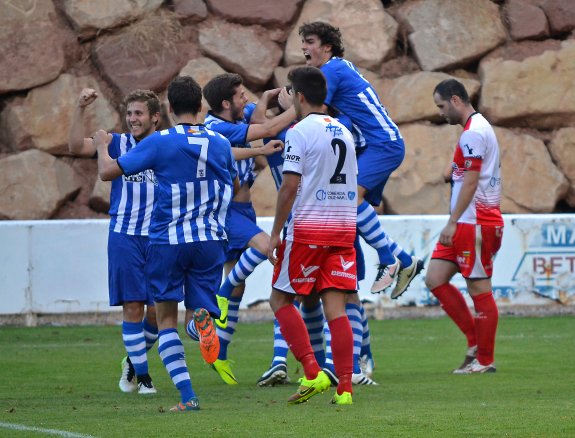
point(271, 127)
point(470, 182)
point(271, 147)
point(267, 100)
point(286, 197)
point(77, 143)
point(108, 168)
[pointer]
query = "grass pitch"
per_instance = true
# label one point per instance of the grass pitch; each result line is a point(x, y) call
point(62, 381)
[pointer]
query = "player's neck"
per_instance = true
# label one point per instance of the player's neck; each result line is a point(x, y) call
point(186, 119)
point(467, 112)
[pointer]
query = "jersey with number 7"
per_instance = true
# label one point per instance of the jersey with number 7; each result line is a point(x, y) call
point(322, 151)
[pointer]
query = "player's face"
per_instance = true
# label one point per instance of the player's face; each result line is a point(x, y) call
point(139, 121)
point(296, 104)
point(238, 103)
point(447, 110)
point(315, 53)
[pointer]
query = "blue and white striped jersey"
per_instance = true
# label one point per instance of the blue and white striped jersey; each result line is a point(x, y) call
point(194, 169)
point(351, 94)
point(132, 197)
point(236, 133)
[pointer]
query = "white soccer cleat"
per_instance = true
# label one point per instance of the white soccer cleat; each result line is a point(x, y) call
point(367, 365)
point(386, 275)
point(127, 381)
point(362, 379)
point(469, 357)
point(145, 385)
point(406, 276)
point(476, 368)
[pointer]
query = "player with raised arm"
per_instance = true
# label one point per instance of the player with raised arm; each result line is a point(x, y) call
point(230, 115)
point(131, 202)
point(317, 256)
point(380, 152)
point(196, 174)
point(472, 236)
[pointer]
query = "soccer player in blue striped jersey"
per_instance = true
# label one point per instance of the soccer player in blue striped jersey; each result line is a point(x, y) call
point(131, 202)
point(196, 175)
point(241, 124)
point(380, 152)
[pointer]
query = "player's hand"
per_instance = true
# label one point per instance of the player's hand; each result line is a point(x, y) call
point(102, 139)
point(274, 244)
point(285, 98)
point(446, 236)
point(87, 96)
point(271, 147)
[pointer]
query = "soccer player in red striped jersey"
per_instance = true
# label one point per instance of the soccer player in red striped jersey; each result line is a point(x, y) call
point(472, 236)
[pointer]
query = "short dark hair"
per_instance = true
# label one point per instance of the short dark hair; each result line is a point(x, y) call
point(309, 81)
point(185, 95)
point(327, 34)
point(145, 96)
point(451, 87)
point(221, 87)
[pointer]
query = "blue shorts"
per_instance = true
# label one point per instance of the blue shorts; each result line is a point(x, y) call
point(189, 272)
point(374, 166)
point(126, 269)
point(241, 226)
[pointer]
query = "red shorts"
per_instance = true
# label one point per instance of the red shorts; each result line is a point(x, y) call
point(303, 269)
point(469, 241)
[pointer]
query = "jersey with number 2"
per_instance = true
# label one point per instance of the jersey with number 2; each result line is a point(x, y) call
point(322, 151)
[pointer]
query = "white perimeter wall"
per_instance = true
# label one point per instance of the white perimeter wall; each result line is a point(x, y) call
point(61, 266)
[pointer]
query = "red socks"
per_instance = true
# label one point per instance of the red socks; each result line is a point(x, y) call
point(456, 308)
point(342, 351)
point(295, 333)
point(486, 320)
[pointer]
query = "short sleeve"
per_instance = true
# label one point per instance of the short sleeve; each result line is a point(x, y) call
point(332, 82)
point(294, 152)
point(236, 133)
point(472, 147)
point(140, 158)
point(114, 146)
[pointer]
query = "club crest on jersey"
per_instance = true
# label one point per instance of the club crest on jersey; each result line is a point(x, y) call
point(468, 164)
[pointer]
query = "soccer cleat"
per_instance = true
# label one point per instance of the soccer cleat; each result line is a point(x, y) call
point(343, 399)
point(309, 388)
point(145, 385)
point(469, 357)
point(191, 405)
point(405, 277)
point(275, 375)
point(331, 375)
point(223, 304)
point(367, 365)
point(224, 369)
point(476, 368)
point(127, 381)
point(362, 379)
point(385, 277)
point(209, 341)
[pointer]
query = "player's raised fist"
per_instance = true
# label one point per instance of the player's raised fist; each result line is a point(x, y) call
point(87, 96)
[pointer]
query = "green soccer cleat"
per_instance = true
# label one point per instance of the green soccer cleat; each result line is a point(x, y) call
point(224, 369)
point(223, 304)
point(309, 388)
point(343, 399)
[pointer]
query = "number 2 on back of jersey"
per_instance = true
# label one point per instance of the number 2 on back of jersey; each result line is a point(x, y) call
point(338, 177)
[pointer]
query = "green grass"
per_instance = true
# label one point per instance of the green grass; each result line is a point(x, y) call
point(65, 378)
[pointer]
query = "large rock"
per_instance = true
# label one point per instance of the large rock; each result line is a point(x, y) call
point(532, 183)
point(369, 33)
point(33, 185)
point(417, 90)
point(561, 15)
point(526, 20)
point(139, 57)
point(537, 92)
point(256, 11)
point(42, 119)
point(450, 33)
point(100, 196)
point(417, 187)
point(250, 52)
point(194, 10)
point(89, 17)
point(31, 45)
point(562, 149)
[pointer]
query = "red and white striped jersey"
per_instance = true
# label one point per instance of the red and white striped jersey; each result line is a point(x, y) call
point(322, 151)
point(478, 150)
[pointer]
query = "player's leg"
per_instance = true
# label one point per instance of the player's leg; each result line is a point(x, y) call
point(478, 279)
point(366, 362)
point(150, 325)
point(312, 314)
point(353, 311)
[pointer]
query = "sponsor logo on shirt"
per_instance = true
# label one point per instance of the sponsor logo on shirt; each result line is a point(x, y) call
point(322, 195)
point(292, 157)
point(334, 130)
point(142, 177)
point(469, 150)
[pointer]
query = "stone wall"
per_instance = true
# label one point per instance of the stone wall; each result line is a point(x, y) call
point(516, 57)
